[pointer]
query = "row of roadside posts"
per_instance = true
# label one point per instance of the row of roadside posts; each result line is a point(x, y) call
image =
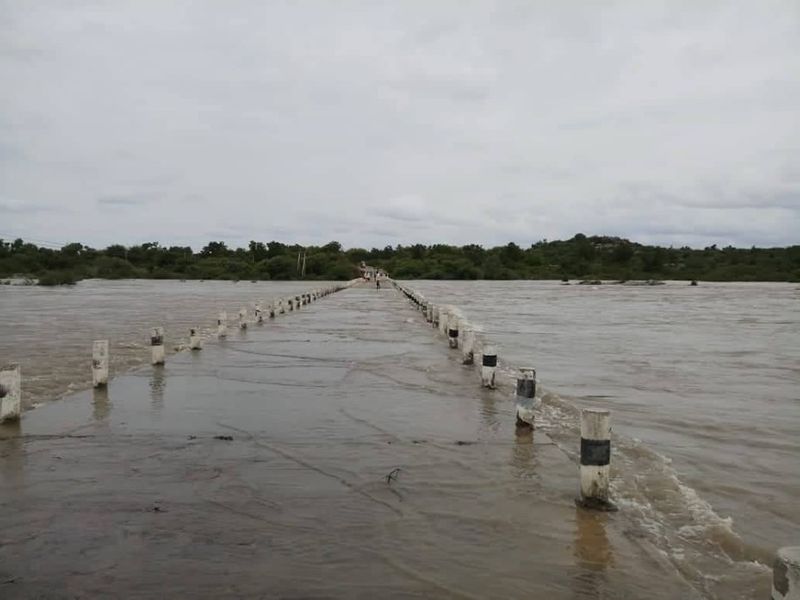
point(595, 441)
point(11, 378)
point(595, 424)
point(595, 449)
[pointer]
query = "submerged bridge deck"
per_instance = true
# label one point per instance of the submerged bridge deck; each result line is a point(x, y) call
point(267, 466)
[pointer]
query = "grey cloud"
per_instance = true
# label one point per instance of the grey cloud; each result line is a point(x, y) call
point(121, 201)
point(375, 123)
point(21, 208)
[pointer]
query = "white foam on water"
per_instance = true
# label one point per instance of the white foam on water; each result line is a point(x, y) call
point(702, 512)
point(684, 527)
point(702, 545)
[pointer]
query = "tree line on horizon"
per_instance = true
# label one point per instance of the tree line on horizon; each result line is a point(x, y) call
point(581, 257)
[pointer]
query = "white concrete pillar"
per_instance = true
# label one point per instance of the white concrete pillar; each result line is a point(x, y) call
point(488, 366)
point(786, 574)
point(429, 313)
point(99, 363)
point(453, 330)
point(222, 324)
point(281, 306)
point(298, 302)
point(435, 318)
point(526, 396)
point(195, 342)
point(242, 318)
point(444, 315)
point(595, 470)
point(258, 314)
point(157, 346)
point(10, 393)
point(467, 344)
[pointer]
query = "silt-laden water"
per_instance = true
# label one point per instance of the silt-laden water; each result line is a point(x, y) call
point(702, 383)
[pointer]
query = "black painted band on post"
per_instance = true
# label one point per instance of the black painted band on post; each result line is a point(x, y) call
point(489, 360)
point(595, 453)
point(453, 333)
point(526, 388)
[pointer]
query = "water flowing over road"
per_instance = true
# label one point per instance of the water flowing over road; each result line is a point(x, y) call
point(142, 482)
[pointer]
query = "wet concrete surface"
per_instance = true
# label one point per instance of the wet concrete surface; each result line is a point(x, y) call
point(257, 468)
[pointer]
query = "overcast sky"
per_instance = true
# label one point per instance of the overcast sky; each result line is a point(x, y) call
point(376, 123)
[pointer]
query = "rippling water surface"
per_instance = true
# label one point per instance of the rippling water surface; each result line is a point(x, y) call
point(49, 331)
point(704, 388)
point(703, 385)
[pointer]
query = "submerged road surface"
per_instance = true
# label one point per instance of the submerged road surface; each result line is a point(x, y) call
point(337, 452)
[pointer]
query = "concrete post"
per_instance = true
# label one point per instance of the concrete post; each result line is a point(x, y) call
point(786, 574)
point(488, 367)
point(436, 315)
point(195, 343)
point(157, 346)
point(242, 318)
point(444, 315)
point(467, 344)
point(429, 313)
point(526, 397)
point(290, 304)
point(99, 363)
point(452, 331)
point(297, 302)
point(273, 308)
point(222, 324)
point(10, 393)
point(595, 470)
point(258, 314)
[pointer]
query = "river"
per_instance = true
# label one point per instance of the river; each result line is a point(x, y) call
point(704, 388)
point(702, 383)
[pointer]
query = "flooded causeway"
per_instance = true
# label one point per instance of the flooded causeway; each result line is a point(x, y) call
point(343, 451)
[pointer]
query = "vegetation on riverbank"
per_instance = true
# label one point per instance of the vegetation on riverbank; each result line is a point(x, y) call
point(582, 257)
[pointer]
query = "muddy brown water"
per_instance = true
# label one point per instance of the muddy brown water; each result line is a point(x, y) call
point(322, 404)
point(704, 388)
point(48, 330)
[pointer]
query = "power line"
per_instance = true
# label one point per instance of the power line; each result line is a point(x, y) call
point(56, 245)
